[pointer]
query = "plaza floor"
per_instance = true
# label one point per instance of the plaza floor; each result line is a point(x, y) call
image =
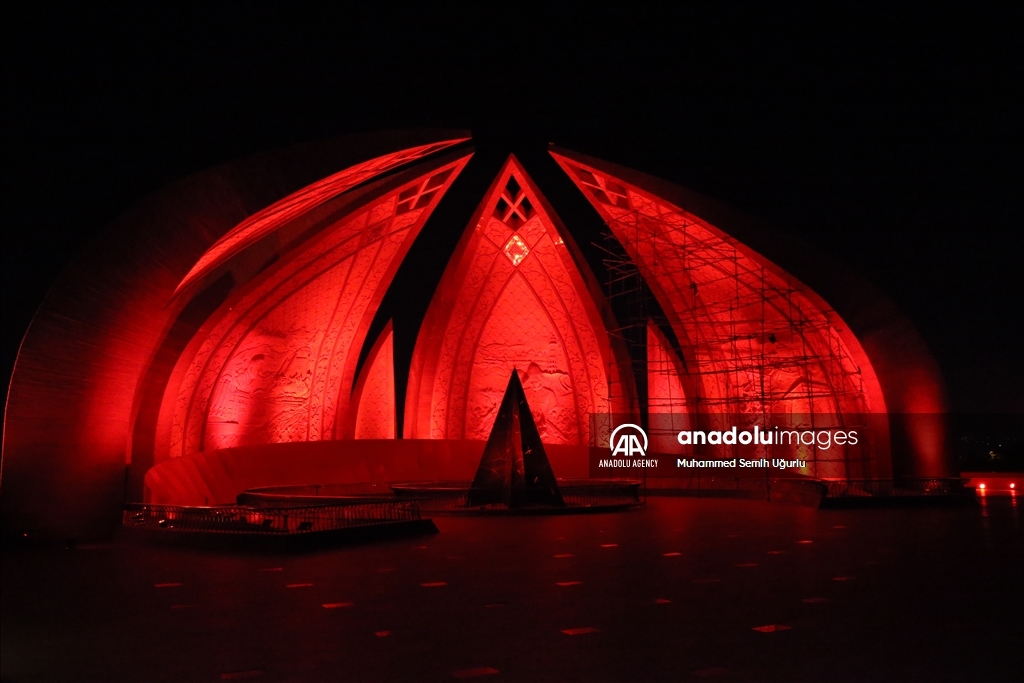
point(682, 589)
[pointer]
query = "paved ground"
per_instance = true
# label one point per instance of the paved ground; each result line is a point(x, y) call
point(682, 590)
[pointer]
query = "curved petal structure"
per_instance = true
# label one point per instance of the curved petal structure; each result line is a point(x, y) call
point(667, 407)
point(278, 364)
point(758, 341)
point(263, 223)
point(513, 297)
point(373, 399)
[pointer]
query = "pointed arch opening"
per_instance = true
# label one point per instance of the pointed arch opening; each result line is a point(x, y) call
point(374, 415)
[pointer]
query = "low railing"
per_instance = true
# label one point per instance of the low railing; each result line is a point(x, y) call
point(328, 490)
point(577, 493)
point(308, 495)
point(238, 519)
point(264, 499)
point(888, 488)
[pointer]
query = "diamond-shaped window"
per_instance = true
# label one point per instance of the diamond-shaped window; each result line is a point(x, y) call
point(516, 249)
point(420, 196)
point(513, 208)
point(604, 190)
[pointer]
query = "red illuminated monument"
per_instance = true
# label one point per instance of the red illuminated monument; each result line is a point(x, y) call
point(516, 293)
point(228, 333)
point(514, 471)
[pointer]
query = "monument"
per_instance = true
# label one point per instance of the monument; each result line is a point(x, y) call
point(514, 470)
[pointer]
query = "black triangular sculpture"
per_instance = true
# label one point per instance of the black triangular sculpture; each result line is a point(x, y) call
point(514, 469)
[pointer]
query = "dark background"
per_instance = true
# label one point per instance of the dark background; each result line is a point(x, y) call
point(886, 136)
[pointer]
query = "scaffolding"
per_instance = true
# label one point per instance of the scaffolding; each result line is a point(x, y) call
point(748, 344)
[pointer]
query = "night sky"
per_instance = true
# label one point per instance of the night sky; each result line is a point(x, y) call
point(888, 137)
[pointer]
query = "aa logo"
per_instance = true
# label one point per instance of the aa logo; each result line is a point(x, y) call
point(625, 441)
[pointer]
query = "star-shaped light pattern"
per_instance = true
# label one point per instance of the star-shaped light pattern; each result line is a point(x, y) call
point(516, 249)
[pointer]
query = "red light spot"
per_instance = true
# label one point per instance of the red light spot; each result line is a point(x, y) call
point(568, 583)
point(579, 631)
point(298, 585)
point(473, 673)
point(662, 601)
point(434, 584)
point(772, 628)
point(382, 634)
point(711, 671)
point(982, 487)
point(238, 675)
point(336, 605)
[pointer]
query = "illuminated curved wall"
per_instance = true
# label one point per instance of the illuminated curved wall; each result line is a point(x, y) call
point(667, 407)
point(101, 352)
point(279, 363)
point(265, 222)
point(760, 344)
point(375, 415)
point(513, 297)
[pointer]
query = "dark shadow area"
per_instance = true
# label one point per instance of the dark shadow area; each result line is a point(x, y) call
point(748, 591)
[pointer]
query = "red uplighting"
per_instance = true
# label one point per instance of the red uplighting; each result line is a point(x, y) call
point(279, 364)
point(268, 220)
point(532, 310)
point(731, 309)
point(374, 395)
